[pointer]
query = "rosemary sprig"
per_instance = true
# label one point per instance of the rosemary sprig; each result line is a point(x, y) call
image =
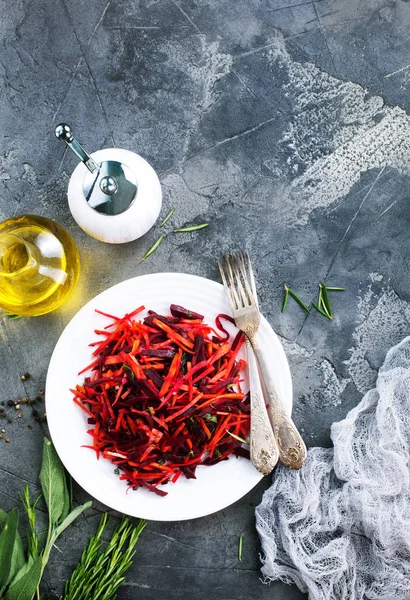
point(240, 547)
point(325, 301)
point(100, 571)
point(237, 437)
point(33, 538)
point(285, 298)
point(191, 228)
point(169, 215)
point(322, 312)
point(153, 248)
point(296, 298)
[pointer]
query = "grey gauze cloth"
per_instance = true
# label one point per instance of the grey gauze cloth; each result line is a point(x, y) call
point(340, 527)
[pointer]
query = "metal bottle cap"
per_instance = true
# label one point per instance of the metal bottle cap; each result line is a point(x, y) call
point(109, 187)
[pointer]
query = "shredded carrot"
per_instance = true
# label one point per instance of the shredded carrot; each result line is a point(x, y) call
point(163, 395)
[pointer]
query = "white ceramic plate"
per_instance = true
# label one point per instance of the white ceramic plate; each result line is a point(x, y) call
point(216, 486)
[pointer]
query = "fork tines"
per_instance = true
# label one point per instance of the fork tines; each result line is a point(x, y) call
point(238, 279)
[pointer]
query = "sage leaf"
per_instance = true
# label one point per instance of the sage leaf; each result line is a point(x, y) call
point(24, 586)
point(3, 517)
point(53, 483)
point(7, 539)
point(17, 558)
point(67, 498)
point(70, 518)
point(58, 530)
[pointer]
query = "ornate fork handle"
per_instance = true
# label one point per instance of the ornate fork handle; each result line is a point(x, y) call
point(292, 449)
point(264, 449)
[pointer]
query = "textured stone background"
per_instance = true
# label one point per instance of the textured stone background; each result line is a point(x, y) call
point(280, 122)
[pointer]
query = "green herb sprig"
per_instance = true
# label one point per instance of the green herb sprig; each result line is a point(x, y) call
point(169, 215)
point(185, 229)
point(154, 247)
point(101, 570)
point(191, 228)
point(236, 437)
point(323, 302)
point(291, 293)
point(20, 576)
point(240, 547)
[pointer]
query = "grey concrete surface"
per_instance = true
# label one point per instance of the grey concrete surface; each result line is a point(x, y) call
point(280, 122)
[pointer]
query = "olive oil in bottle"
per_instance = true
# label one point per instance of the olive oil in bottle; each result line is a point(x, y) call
point(39, 265)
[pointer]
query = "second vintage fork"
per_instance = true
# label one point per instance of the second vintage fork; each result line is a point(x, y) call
point(239, 283)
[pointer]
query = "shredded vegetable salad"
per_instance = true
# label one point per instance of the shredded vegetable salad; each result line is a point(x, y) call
point(165, 396)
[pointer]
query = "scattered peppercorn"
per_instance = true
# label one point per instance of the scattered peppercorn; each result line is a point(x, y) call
point(39, 399)
point(9, 420)
point(10, 403)
point(29, 427)
point(3, 431)
point(25, 400)
point(7, 440)
point(1, 436)
point(20, 414)
point(25, 377)
point(17, 406)
point(41, 392)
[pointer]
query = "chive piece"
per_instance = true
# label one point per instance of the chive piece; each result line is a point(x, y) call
point(326, 302)
point(299, 301)
point(116, 471)
point(12, 316)
point(322, 312)
point(240, 547)
point(169, 215)
point(153, 248)
point(191, 228)
point(335, 289)
point(237, 437)
point(286, 298)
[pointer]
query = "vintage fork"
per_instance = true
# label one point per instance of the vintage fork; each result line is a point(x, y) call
point(263, 447)
point(237, 276)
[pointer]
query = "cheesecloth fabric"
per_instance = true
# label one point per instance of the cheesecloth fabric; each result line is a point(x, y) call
point(340, 527)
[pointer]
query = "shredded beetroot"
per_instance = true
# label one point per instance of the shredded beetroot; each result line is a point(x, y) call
point(164, 396)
